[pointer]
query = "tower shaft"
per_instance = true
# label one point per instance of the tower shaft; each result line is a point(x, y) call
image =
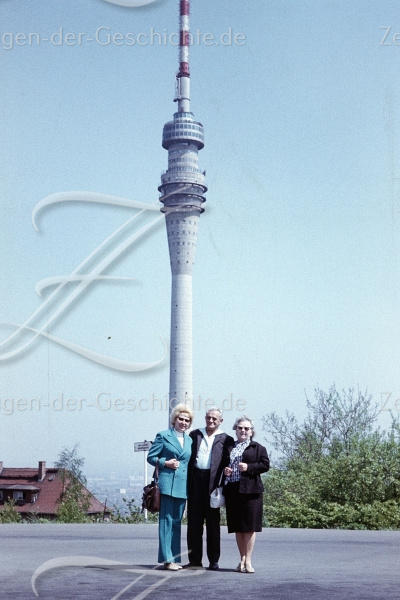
point(182, 194)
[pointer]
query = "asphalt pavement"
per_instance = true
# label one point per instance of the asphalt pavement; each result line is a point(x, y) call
point(118, 562)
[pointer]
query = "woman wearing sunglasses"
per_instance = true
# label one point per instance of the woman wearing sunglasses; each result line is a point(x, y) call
point(243, 490)
point(172, 450)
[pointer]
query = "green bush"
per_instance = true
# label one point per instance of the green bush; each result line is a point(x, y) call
point(335, 469)
point(132, 514)
point(8, 513)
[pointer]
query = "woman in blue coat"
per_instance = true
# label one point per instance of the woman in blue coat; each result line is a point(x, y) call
point(172, 450)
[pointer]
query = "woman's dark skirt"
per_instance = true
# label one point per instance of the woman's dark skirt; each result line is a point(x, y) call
point(244, 512)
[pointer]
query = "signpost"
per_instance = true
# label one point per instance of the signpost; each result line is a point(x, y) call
point(143, 447)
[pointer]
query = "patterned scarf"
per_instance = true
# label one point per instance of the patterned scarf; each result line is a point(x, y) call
point(235, 459)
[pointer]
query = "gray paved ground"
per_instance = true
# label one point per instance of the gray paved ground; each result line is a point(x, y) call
point(117, 562)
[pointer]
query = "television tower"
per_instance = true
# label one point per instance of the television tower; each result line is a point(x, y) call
point(182, 194)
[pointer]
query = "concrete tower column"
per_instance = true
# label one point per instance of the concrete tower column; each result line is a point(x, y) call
point(182, 194)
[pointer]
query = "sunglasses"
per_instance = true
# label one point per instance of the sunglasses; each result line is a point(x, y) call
point(183, 419)
point(244, 428)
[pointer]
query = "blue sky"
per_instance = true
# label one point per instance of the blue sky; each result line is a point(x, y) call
point(297, 270)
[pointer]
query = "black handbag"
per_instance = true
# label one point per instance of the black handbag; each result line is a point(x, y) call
point(151, 494)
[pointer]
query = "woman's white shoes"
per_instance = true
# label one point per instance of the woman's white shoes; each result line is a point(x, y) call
point(172, 566)
point(244, 568)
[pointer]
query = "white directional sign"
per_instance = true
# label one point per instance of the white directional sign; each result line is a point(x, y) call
point(142, 446)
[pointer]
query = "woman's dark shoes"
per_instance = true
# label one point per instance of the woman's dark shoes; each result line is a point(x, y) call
point(213, 567)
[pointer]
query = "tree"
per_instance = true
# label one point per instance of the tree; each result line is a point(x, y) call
point(335, 469)
point(332, 419)
point(75, 499)
point(68, 460)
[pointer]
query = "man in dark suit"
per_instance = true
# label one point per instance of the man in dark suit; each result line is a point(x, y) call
point(209, 456)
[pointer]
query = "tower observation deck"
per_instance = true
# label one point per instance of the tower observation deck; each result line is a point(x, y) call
point(182, 192)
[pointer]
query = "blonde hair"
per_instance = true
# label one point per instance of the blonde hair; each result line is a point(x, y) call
point(181, 408)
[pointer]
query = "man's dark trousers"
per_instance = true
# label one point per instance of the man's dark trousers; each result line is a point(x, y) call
point(199, 510)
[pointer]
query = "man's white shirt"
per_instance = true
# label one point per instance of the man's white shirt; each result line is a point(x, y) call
point(203, 460)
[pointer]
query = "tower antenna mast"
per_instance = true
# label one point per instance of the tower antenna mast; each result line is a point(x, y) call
point(183, 76)
point(182, 192)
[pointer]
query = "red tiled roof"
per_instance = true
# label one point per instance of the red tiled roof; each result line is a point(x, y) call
point(49, 490)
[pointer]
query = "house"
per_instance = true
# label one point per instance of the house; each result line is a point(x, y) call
point(38, 492)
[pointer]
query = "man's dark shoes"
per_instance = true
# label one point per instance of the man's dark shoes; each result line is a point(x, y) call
point(193, 566)
point(213, 567)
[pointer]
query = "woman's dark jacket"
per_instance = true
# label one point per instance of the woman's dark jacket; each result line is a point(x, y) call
point(256, 457)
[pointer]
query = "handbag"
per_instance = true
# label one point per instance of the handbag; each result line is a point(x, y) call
point(217, 499)
point(151, 494)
